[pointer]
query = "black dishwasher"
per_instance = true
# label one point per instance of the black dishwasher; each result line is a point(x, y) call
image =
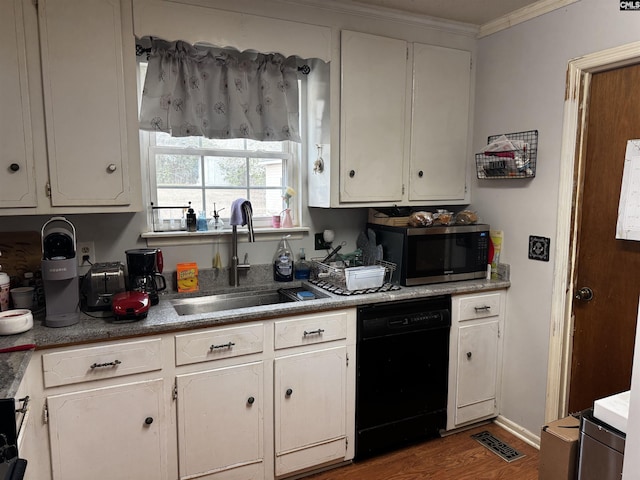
point(402, 370)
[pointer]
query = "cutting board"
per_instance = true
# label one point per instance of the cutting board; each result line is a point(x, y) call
point(21, 252)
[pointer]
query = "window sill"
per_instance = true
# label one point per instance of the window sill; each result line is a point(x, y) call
point(165, 239)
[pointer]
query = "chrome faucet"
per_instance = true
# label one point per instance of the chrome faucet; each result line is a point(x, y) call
point(241, 215)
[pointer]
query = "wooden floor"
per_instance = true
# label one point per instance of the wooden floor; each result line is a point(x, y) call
point(455, 457)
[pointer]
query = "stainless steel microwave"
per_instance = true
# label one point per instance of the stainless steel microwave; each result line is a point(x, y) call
point(435, 254)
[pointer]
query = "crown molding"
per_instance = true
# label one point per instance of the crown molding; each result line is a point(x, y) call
point(384, 13)
point(522, 15)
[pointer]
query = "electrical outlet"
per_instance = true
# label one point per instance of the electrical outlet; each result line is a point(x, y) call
point(319, 243)
point(86, 249)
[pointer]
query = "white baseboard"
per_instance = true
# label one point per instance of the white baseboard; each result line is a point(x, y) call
point(520, 432)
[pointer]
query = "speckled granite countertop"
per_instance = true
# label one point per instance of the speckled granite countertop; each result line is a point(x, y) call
point(163, 318)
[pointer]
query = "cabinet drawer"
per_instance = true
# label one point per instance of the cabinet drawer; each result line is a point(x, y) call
point(310, 329)
point(219, 343)
point(96, 363)
point(479, 306)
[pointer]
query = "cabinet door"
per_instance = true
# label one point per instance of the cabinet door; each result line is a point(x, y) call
point(477, 370)
point(220, 423)
point(310, 408)
point(439, 127)
point(108, 433)
point(84, 90)
point(374, 74)
point(17, 180)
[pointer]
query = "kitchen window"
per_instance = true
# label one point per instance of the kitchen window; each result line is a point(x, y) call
point(208, 174)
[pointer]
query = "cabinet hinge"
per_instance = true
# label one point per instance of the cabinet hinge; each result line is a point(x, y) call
point(175, 390)
point(35, 3)
point(471, 64)
point(403, 189)
point(499, 332)
point(407, 53)
point(48, 189)
point(347, 359)
point(346, 443)
point(45, 412)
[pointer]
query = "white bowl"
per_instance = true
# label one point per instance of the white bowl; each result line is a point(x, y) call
point(15, 321)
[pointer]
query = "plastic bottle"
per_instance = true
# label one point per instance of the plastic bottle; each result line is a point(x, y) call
point(283, 262)
point(303, 269)
point(191, 220)
point(202, 222)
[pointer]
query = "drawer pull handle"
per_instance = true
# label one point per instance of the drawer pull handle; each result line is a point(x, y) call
point(319, 331)
point(288, 392)
point(224, 345)
point(148, 420)
point(108, 364)
point(469, 354)
point(25, 405)
point(250, 400)
point(485, 308)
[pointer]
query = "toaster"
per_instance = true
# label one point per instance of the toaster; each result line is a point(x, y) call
point(101, 283)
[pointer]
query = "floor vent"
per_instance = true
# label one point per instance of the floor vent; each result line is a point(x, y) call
point(497, 446)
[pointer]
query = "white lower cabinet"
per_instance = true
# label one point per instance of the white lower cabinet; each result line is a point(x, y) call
point(107, 433)
point(252, 401)
point(310, 409)
point(477, 327)
point(220, 423)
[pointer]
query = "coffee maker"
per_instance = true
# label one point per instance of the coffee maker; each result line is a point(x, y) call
point(144, 268)
point(60, 273)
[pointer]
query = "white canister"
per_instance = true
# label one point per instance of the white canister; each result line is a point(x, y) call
point(4, 291)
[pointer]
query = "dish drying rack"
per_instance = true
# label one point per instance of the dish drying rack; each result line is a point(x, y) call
point(332, 277)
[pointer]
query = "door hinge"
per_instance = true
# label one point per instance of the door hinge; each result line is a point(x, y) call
point(346, 443)
point(45, 412)
point(175, 390)
point(47, 188)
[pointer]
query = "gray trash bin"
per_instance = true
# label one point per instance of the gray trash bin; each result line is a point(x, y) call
point(601, 449)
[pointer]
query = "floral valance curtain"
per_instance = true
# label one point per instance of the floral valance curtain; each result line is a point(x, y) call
point(219, 93)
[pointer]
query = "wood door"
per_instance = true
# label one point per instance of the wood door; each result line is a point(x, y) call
point(310, 391)
point(108, 433)
point(439, 123)
point(220, 421)
point(604, 327)
point(374, 77)
point(83, 77)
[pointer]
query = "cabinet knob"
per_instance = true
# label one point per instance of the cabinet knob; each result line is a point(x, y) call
point(352, 173)
point(112, 168)
point(469, 354)
point(148, 420)
point(250, 400)
point(420, 173)
point(14, 167)
point(288, 392)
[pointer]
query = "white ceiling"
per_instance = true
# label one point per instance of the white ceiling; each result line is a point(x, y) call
point(476, 12)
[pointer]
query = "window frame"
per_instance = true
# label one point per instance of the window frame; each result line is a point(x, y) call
point(292, 176)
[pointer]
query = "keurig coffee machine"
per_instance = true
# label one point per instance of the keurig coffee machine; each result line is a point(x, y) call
point(60, 273)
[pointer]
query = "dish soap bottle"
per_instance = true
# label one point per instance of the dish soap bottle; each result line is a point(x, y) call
point(283, 262)
point(303, 269)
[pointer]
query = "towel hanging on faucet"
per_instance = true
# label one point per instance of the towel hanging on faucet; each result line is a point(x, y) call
point(242, 214)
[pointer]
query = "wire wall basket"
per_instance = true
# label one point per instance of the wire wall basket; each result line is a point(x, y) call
point(519, 163)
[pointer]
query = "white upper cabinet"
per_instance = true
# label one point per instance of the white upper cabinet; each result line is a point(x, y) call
point(374, 78)
point(69, 128)
point(439, 123)
point(17, 176)
point(83, 73)
point(404, 126)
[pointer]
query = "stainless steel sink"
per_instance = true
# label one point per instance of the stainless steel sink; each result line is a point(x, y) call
point(231, 301)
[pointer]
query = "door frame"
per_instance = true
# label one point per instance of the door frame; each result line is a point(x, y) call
point(572, 160)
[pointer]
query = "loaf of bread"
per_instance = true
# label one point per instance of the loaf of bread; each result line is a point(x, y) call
point(420, 219)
